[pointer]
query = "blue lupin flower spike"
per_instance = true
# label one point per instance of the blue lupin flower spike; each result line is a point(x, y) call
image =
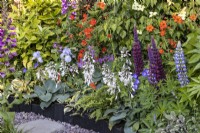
point(181, 69)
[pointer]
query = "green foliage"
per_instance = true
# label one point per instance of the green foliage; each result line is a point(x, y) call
point(192, 51)
point(95, 103)
point(8, 117)
point(173, 123)
point(36, 28)
point(51, 92)
point(194, 88)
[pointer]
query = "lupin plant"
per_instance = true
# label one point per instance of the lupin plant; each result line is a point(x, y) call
point(7, 42)
point(137, 54)
point(180, 65)
point(156, 71)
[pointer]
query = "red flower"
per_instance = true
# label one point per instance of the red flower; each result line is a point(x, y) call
point(80, 56)
point(82, 51)
point(72, 17)
point(172, 43)
point(93, 86)
point(84, 17)
point(104, 49)
point(109, 35)
point(88, 36)
point(93, 22)
point(84, 43)
point(88, 31)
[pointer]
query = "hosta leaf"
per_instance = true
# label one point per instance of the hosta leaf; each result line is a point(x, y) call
point(50, 86)
point(39, 90)
point(46, 97)
point(44, 104)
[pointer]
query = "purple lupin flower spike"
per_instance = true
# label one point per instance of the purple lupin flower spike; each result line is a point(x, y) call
point(156, 71)
point(135, 34)
point(137, 54)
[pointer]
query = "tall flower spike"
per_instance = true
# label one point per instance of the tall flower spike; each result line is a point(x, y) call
point(137, 54)
point(156, 71)
point(180, 65)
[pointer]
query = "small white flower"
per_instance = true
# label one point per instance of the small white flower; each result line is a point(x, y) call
point(182, 13)
point(170, 2)
point(136, 6)
point(88, 67)
point(110, 80)
point(151, 14)
point(139, 32)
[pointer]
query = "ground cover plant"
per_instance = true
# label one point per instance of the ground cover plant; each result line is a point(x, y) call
point(132, 62)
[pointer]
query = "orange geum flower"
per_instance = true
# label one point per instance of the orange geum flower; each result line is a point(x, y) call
point(163, 25)
point(149, 28)
point(177, 19)
point(101, 5)
point(193, 17)
point(162, 33)
point(161, 51)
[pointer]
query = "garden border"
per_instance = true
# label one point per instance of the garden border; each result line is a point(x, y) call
point(83, 121)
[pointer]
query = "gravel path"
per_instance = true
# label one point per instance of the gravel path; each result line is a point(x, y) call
point(23, 117)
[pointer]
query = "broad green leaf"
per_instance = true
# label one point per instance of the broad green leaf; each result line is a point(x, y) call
point(136, 126)
point(44, 104)
point(62, 97)
point(25, 60)
point(128, 130)
point(39, 46)
point(118, 117)
point(46, 97)
point(196, 67)
point(123, 34)
point(39, 90)
point(113, 27)
point(194, 58)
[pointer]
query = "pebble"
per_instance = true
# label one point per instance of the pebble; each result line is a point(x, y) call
point(23, 117)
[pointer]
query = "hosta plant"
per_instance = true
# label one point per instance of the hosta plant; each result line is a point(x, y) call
point(50, 92)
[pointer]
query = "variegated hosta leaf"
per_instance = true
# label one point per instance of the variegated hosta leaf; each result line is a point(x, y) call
point(20, 85)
